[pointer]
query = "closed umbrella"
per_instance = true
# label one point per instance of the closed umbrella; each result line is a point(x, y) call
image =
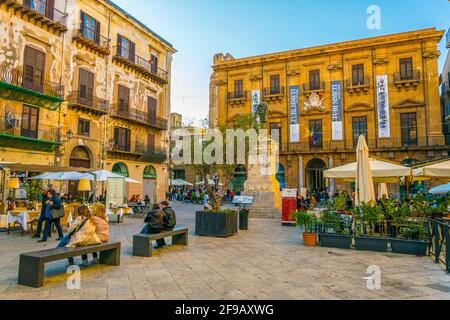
point(365, 192)
point(382, 191)
point(180, 183)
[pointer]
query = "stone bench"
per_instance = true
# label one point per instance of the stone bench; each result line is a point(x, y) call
point(31, 265)
point(142, 243)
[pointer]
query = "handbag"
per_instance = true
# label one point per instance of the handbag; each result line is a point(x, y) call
point(58, 213)
point(80, 226)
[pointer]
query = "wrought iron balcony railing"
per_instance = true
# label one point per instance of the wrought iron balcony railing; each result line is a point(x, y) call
point(34, 82)
point(237, 95)
point(413, 76)
point(154, 154)
point(355, 83)
point(131, 114)
point(273, 91)
point(140, 64)
point(312, 87)
point(87, 101)
point(92, 39)
point(40, 11)
point(17, 134)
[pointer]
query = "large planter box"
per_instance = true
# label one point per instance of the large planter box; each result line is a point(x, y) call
point(211, 224)
point(413, 247)
point(372, 244)
point(335, 241)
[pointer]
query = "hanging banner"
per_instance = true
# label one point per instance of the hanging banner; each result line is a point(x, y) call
point(384, 124)
point(336, 111)
point(256, 100)
point(294, 128)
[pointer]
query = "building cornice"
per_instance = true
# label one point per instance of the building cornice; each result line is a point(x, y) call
point(424, 34)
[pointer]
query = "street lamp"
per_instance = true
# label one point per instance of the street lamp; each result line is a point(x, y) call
point(69, 135)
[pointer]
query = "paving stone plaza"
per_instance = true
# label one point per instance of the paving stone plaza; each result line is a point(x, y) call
point(266, 262)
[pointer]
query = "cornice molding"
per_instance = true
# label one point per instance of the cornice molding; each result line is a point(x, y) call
point(408, 103)
point(380, 61)
point(293, 73)
point(432, 54)
point(359, 106)
point(255, 77)
point(335, 66)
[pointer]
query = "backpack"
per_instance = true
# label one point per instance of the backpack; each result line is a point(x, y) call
point(170, 219)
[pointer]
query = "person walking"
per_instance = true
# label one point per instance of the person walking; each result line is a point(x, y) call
point(169, 221)
point(52, 212)
point(41, 218)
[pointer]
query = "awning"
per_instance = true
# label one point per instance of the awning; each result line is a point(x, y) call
point(439, 170)
point(21, 167)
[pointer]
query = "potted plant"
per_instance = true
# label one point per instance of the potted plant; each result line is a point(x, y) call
point(216, 222)
point(308, 222)
point(371, 217)
point(411, 239)
point(334, 230)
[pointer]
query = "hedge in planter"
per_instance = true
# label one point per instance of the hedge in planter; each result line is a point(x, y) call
point(367, 219)
point(216, 224)
point(334, 231)
point(411, 239)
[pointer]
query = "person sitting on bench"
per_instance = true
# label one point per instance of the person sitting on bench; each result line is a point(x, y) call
point(81, 232)
point(153, 220)
point(101, 223)
point(169, 221)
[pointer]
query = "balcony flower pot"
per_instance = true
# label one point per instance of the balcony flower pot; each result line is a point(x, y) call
point(378, 244)
point(222, 224)
point(412, 247)
point(339, 241)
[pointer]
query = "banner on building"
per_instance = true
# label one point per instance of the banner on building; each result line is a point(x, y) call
point(336, 111)
point(256, 100)
point(294, 128)
point(384, 124)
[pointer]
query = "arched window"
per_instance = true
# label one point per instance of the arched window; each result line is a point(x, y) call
point(150, 173)
point(314, 173)
point(80, 158)
point(121, 168)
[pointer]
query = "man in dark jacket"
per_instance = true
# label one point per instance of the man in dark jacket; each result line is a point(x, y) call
point(153, 220)
point(41, 216)
point(169, 221)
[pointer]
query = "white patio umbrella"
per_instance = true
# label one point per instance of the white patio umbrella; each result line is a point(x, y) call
point(71, 175)
point(210, 181)
point(365, 192)
point(180, 183)
point(104, 175)
point(439, 171)
point(443, 189)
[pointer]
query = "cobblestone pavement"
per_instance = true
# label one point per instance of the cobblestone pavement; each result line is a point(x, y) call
point(266, 262)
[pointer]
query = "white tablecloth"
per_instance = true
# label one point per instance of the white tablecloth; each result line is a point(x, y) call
point(22, 218)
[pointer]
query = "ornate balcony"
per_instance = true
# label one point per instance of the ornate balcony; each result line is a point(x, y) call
point(309, 88)
point(124, 57)
point(407, 80)
point(88, 102)
point(132, 151)
point(355, 86)
point(40, 13)
point(14, 135)
point(15, 85)
point(91, 40)
point(273, 94)
point(139, 117)
point(154, 155)
point(236, 98)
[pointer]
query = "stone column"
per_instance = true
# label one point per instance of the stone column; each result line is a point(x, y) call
point(330, 166)
point(301, 180)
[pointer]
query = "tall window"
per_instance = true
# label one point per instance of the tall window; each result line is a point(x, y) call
point(38, 5)
point(315, 139)
point(154, 66)
point(84, 127)
point(30, 122)
point(152, 108)
point(359, 129)
point(123, 100)
point(408, 123)
point(90, 28)
point(151, 141)
point(85, 87)
point(358, 74)
point(275, 84)
point(238, 88)
point(314, 79)
point(406, 69)
point(126, 48)
point(122, 139)
point(34, 69)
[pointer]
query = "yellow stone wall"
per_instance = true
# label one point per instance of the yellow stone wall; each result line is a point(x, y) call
point(64, 58)
point(380, 56)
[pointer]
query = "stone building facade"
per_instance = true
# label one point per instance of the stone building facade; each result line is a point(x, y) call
point(321, 99)
point(84, 84)
point(445, 92)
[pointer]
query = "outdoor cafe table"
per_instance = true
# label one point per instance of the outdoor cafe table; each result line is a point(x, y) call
point(116, 214)
point(20, 216)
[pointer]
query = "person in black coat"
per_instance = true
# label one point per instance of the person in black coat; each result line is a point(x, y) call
point(41, 218)
point(153, 220)
point(169, 221)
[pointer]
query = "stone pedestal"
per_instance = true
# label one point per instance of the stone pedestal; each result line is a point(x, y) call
point(263, 186)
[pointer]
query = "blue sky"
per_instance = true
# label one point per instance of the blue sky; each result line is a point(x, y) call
point(200, 28)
